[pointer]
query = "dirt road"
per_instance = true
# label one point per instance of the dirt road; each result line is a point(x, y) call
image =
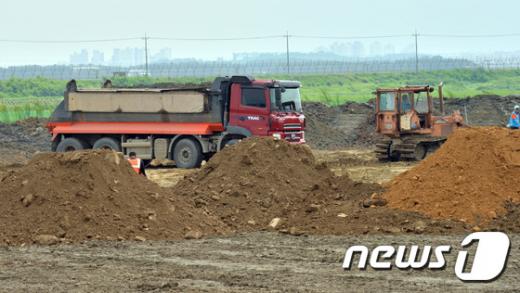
point(256, 262)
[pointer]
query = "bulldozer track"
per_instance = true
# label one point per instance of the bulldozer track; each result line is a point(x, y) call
point(410, 149)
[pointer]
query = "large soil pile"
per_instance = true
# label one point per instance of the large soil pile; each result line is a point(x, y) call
point(90, 195)
point(257, 180)
point(471, 178)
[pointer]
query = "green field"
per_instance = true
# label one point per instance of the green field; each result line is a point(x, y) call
point(36, 97)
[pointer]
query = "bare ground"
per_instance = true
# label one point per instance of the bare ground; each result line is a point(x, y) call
point(256, 262)
point(253, 262)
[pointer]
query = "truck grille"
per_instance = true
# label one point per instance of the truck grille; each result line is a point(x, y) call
point(292, 127)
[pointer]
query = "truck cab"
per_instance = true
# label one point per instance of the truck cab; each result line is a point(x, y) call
point(264, 108)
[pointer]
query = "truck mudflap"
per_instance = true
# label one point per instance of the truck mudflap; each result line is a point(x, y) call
point(163, 128)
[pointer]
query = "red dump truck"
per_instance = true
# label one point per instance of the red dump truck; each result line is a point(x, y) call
point(186, 125)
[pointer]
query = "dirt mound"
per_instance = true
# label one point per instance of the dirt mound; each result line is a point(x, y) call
point(19, 141)
point(251, 183)
point(90, 195)
point(469, 178)
point(484, 110)
point(321, 131)
point(348, 125)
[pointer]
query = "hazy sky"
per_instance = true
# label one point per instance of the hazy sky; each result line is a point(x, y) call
point(102, 19)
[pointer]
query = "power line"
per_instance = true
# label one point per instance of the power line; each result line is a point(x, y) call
point(416, 35)
point(471, 36)
point(288, 53)
point(284, 36)
point(146, 53)
point(347, 37)
point(67, 42)
point(220, 39)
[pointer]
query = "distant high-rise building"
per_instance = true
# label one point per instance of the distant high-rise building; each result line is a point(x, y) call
point(138, 56)
point(164, 55)
point(128, 57)
point(376, 49)
point(79, 58)
point(358, 49)
point(98, 57)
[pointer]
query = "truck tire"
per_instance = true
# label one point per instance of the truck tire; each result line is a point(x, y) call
point(70, 144)
point(187, 154)
point(107, 143)
point(231, 142)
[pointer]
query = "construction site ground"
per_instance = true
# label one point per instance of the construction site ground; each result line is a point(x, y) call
point(246, 261)
point(253, 262)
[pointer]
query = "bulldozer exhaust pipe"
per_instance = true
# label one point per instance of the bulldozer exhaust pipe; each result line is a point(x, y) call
point(441, 97)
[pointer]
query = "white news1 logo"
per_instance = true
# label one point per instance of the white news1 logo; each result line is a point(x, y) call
point(489, 260)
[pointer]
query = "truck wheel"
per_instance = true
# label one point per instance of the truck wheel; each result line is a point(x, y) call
point(187, 154)
point(70, 144)
point(107, 143)
point(230, 140)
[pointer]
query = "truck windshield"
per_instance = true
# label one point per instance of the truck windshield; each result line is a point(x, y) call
point(285, 100)
point(387, 102)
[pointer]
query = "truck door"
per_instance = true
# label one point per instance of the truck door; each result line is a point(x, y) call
point(250, 108)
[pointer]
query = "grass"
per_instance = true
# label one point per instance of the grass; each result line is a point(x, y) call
point(12, 110)
point(37, 97)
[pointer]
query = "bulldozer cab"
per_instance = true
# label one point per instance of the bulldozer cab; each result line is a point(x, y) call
point(404, 110)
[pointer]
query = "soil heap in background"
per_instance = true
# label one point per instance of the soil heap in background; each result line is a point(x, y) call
point(347, 125)
point(321, 131)
point(90, 195)
point(20, 140)
point(483, 110)
point(472, 177)
point(249, 184)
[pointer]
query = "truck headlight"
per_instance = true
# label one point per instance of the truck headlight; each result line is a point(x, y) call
point(277, 136)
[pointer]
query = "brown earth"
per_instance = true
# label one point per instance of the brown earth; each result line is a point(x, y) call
point(251, 183)
point(484, 110)
point(347, 125)
point(249, 262)
point(470, 178)
point(76, 196)
point(19, 141)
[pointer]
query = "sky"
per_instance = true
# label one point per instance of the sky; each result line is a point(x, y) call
point(106, 19)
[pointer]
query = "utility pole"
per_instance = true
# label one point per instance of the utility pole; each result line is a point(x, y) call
point(146, 53)
point(287, 50)
point(416, 53)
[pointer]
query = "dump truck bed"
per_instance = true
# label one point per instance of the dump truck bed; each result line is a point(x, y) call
point(137, 101)
point(143, 105)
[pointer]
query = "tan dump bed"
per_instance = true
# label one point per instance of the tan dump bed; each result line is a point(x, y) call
point(137, 101)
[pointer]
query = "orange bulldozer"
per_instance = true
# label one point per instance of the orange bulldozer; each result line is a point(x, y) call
point(405, 116)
